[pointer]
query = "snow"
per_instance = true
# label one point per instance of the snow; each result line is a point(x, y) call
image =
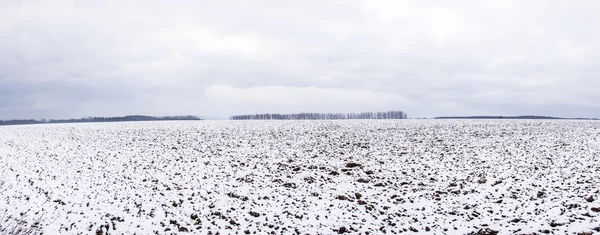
point(445, 176)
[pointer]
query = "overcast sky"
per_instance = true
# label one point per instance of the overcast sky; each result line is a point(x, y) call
point(63, 59)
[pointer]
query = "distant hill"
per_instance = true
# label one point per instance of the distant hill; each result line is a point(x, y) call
point(515, 117)
point(213, 118)
point(131, 118)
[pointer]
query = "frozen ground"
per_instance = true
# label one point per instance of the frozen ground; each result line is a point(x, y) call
point(315, 177)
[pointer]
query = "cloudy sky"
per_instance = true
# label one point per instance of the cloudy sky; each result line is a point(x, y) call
point(63, 59)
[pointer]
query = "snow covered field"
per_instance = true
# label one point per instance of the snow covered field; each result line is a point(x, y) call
point(315, 177)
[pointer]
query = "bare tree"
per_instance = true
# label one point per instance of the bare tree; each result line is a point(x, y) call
point(323, 116)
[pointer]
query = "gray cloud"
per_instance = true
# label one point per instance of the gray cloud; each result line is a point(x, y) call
point(217, 58)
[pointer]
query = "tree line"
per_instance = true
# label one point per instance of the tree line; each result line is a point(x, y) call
point(323, 116)
point(132, 118)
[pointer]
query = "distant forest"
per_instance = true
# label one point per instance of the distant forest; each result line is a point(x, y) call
point(516, 117)
point(323, 116)
point(132, 118)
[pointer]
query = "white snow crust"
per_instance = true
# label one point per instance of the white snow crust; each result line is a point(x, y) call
point(306, 177)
